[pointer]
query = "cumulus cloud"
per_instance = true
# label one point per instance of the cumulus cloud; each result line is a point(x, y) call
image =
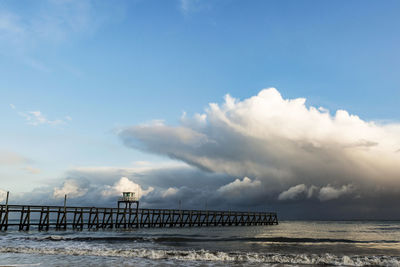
point(238, 188)
point(282, 139)
point(293, 192)
point(325, 193)
point(71, 188)
point(125, 185)
point(171, 191)
point(284, 145)
point(329, 192)
point(160, 186)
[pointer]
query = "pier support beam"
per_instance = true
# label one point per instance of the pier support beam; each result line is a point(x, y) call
point(4, 215)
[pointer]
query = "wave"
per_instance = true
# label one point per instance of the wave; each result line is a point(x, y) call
point(218, 256)
point(178, 239)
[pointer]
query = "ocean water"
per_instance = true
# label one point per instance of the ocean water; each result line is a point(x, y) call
point(289, 243)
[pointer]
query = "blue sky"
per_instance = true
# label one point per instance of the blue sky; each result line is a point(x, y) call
point(94, 67)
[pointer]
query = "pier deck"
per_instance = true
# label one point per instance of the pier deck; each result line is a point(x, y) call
point(28, 217)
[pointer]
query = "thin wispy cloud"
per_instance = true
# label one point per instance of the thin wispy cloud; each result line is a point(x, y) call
point(53, 21)
point(190, 6)
point(31, 170)
point(11, 26)
point(12, 158)
point(36, 118)
point(36, 64)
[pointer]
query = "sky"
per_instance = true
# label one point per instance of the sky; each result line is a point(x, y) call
point(250, 105)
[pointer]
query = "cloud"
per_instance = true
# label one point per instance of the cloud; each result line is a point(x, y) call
point(71, 188)
point(325, 193)
point(269, 136)
point(125, 185)
point(160, 186)
point(171, 181)
point(31, 170)
point(10, 25)
point(284, 145)
point(36, 118)
point(188, 6)
point(311, 191)
point(293, 192)
point(171, 191)
point(9, 158)
point(238, 188)
point(328, 192)
point(12, 158)
point(52, 21)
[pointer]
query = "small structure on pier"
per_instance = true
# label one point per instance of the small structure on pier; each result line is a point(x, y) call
point(128, 200)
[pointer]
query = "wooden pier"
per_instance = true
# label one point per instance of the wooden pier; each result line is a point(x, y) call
point(28, 217)
point(126, 215)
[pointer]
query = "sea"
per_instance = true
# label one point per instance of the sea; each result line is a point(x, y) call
point(291, 243)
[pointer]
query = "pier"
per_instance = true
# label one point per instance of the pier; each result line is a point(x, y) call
point(126, 215)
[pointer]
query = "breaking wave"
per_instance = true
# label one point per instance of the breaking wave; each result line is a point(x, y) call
point(200, 239)
point(218, 256)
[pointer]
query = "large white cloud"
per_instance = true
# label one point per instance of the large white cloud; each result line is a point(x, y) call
point(282, 143)
point(268, 136)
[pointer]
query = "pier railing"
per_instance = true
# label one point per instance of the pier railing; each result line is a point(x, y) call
point(26, 217)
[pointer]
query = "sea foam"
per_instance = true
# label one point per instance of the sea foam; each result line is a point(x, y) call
point(214, 256)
